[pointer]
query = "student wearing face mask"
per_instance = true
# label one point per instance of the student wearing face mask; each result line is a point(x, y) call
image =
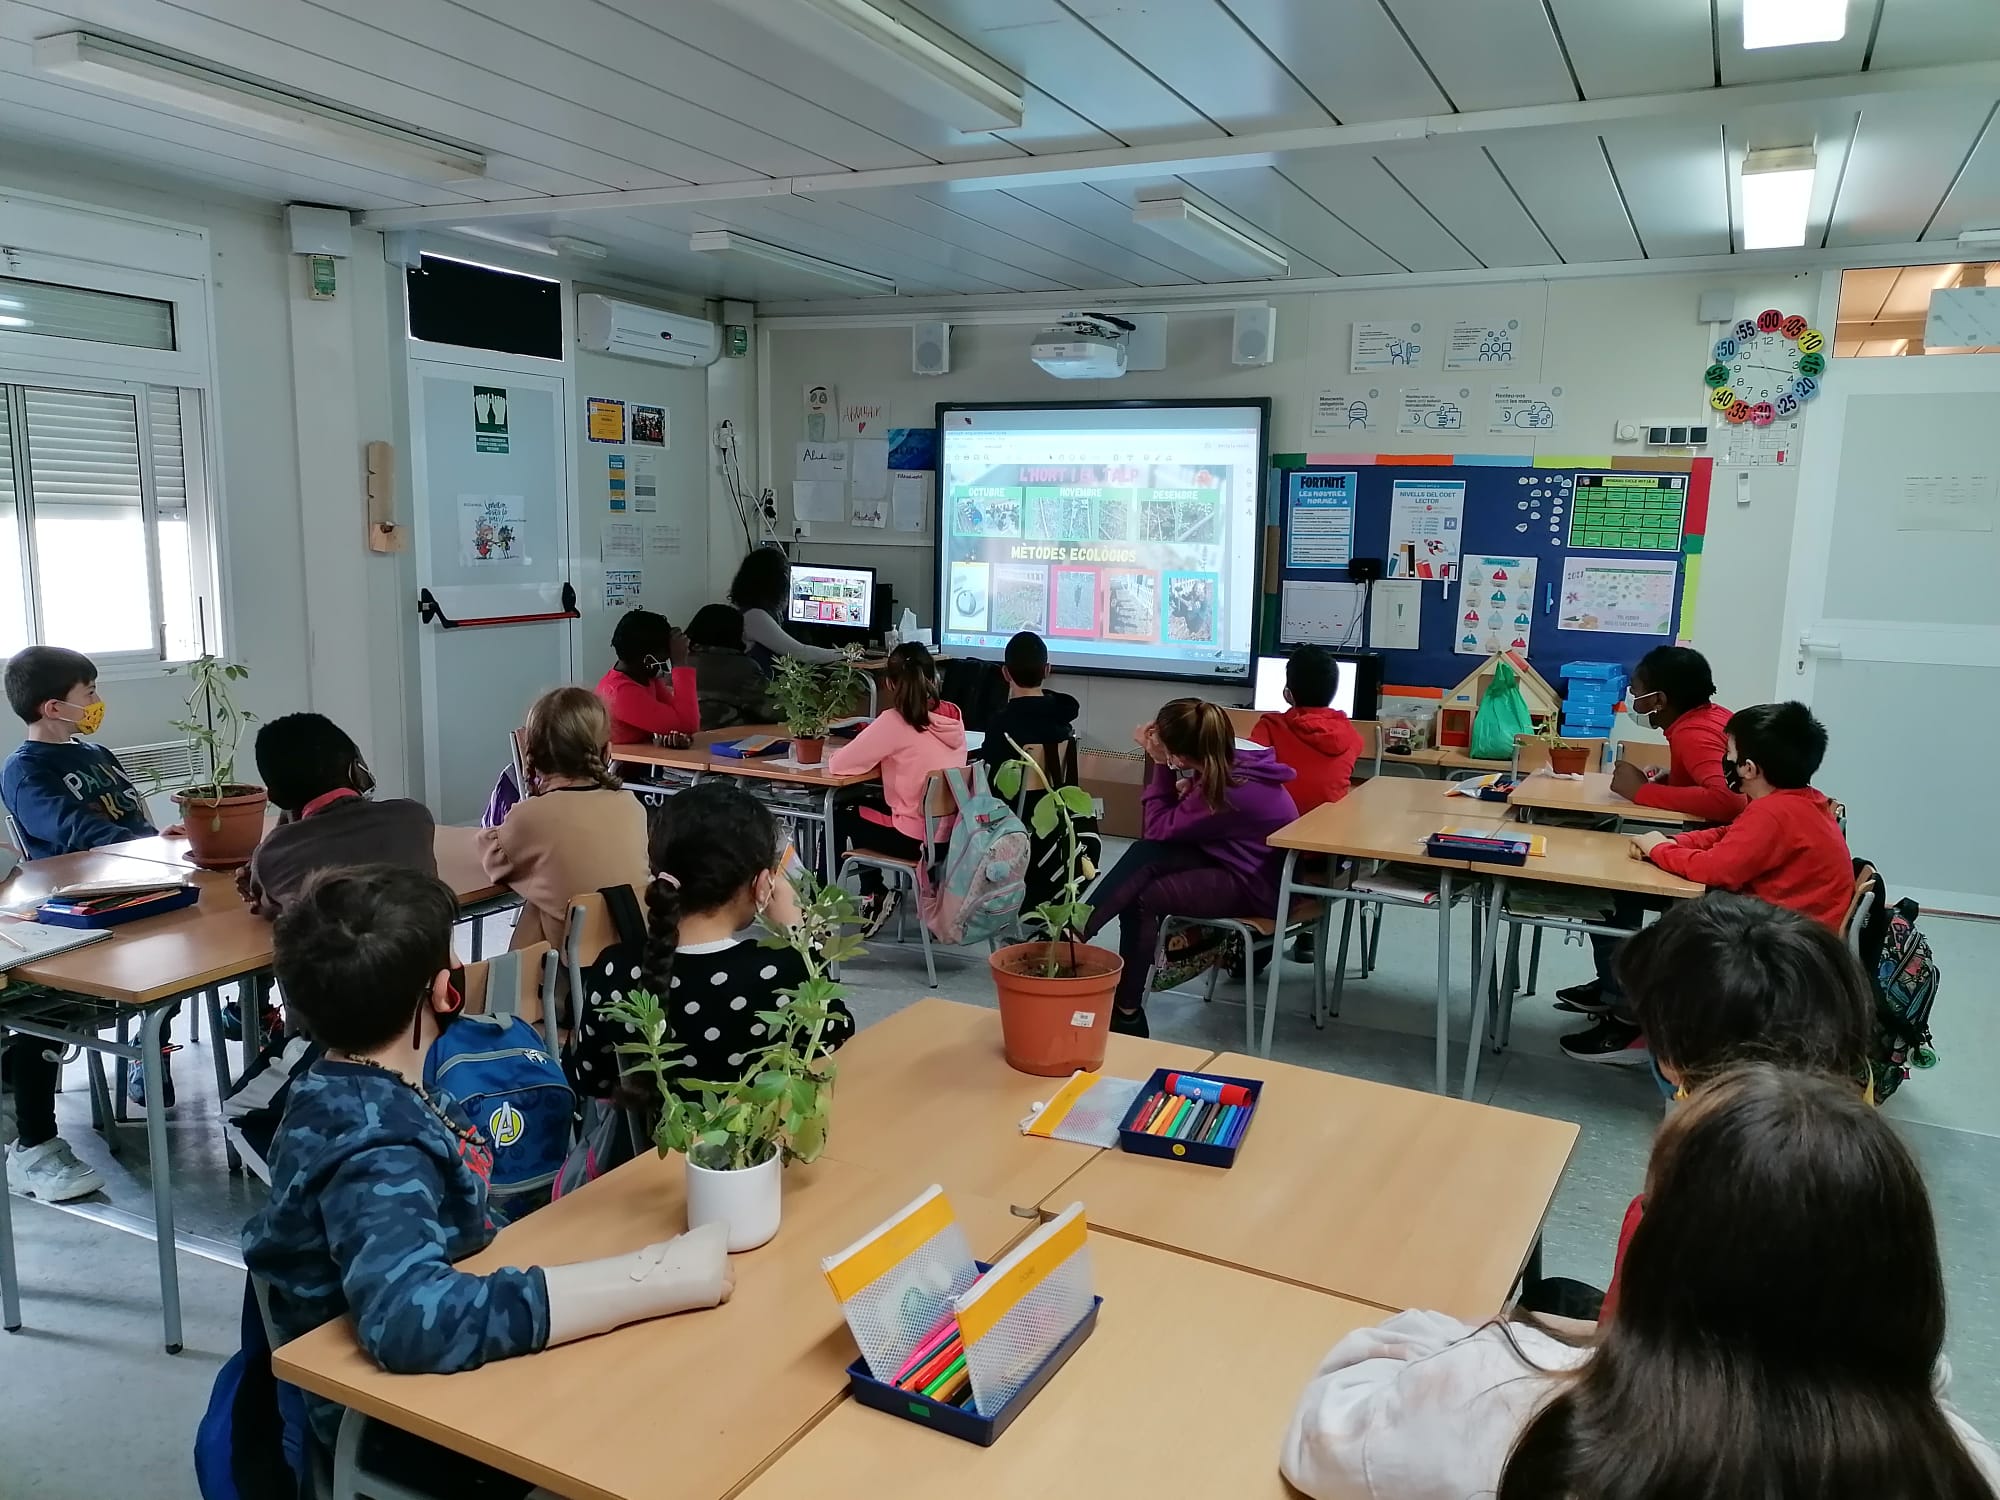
point(1674, 691)
point(651, 689)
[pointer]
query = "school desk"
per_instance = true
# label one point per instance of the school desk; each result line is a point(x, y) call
point(1244, 1345)
point(1590, 794)
point(681, 1408)
point(1375, 822)
point(1381, 1194)
point(929, 1089)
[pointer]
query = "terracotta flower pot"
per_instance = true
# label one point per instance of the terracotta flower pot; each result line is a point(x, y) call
point(1055, 1027)
point(1569, 760)
point(808, 752)
point(223, 830)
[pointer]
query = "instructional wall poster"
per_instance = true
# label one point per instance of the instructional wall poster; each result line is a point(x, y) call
point(1342, 409)
point(614, 480)
point(492, 529)
point(1432, 408)
point(822, 417)
point(1772, 447)
point(1483, 344)
point(1319, 614)
point(622, 587)
point(645, 481)
point(1385, 346)
point(489, 419)
point(1523, 408)
point(1619, 595)
point(649, 426)
point(618, 545)
point(1426, 523)
point(1321, 534)
point(605, 419)
point(1496, 606)
point(1632, 512)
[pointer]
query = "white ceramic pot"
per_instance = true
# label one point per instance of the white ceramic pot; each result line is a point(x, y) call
point(748, 1201)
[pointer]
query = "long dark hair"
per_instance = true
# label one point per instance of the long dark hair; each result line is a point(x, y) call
point(911, 680)
point(1200, 731)
point(714, 839)
point(1780, 1317)
point(762, 581)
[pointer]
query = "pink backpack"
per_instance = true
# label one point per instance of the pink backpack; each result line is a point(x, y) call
point(975, 892)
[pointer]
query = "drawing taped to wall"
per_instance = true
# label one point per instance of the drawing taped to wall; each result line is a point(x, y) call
point(493, 530)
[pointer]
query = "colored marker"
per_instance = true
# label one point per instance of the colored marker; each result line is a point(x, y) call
point(928, 1347)
point(1219, 1126)
point(943, 1380)
point(1145, 1113)
point(1184, 1123)
point(1207, 1118)
point(1166, 1120)
point(1236, 1130)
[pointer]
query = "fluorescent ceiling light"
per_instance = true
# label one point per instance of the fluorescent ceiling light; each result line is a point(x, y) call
point(902, 52)
point(729, 242)
point(534, 244)
point(1194, 228)
point(188, 88)
point(9, 320)
point(569, 244)
point(1792, 23)
point(1969, 237)
point(1777, 197)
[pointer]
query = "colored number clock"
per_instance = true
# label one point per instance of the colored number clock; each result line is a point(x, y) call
point(1765, 367)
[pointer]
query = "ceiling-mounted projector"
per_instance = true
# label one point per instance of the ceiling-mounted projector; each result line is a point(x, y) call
point(1083, 346)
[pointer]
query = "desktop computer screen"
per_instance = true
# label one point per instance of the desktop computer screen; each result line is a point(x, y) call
point(1358, 685)
point(843, 598)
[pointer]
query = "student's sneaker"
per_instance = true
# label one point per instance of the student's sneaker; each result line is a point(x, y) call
point(1586, 999)
point(135, 1082)
point(876, 910)
point(1129, 1022)
point(50, 1172)
point(1612, 1041)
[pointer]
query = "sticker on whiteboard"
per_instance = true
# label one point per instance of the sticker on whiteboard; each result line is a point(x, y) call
point(1083, 1018)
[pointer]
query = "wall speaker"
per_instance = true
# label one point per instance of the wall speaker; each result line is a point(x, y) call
point(930, 348)
point(1256, 338)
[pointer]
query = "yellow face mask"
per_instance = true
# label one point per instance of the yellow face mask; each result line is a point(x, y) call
point(91, 719)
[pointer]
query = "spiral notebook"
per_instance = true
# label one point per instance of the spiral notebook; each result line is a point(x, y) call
point(23, 942)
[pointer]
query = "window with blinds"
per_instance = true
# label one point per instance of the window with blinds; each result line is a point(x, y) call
point(102, 520)
point(74, 312)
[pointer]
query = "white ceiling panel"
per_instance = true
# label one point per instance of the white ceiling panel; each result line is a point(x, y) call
point(1466, 193)
point(1637, 46)
point(1488, 55)
point(876, 236)
point(1567, 186)
point(1356, 186)
point(1039, 39)
point(911, 274)
point(1204, 54)
point(1675, 186)
point(1936, 31)
point(1283, 212)
point(1348, 53)
point(1130, 191)
point(1905, 155)
point(1010, 215)
point(1815, 60)
point(1974, 199)
point(903, 211)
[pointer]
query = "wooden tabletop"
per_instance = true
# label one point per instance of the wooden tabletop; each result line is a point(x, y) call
point(1102, 1428)
point(679, 1408)
point(1419, 794)
point(928, 1090)
point(1603, 861)
point(1381, 1194)
point(458, 865)
point(1590, 793)
point(700, 756)
point(1374, 821)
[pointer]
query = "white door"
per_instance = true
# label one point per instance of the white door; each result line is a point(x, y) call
point(1893, 613)
point(490, 452)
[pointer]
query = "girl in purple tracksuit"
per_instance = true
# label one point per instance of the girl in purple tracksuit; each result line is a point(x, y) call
point(1207, 810)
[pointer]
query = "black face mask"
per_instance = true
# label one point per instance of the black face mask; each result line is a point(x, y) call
point(1732, 778)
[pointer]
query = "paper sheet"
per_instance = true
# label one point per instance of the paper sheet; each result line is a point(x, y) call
point(1320, 614)
point(868, 468)
point(1515, 409)
point(1320, 530)
point(1395, 615)
point(870, 513)
point(820, 412)
point(645, 479)
point(493, 530)
point(621, 588)
point(1483, 344)
point(1432, 409)
point(653, 426)
point(1945, 502)
point(618, 544)
point(862, 418)
point(819, 500)
point(1619, 595)
point(1347, 408)
point(1773, 447)
point(605, 419)
point(1385, 346)
point(663, 539)
point(826, 461)
point(1496, 606)
point(909, 501)
point(1426, 525)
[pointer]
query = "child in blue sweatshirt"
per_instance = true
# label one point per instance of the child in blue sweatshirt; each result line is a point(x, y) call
point(378, 1186)
point(65, 794)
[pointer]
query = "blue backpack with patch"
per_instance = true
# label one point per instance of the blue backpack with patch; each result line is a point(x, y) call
point(499, 1074)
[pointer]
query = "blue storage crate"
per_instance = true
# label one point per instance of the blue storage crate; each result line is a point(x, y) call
point(1592, 671)
point(1590, 696)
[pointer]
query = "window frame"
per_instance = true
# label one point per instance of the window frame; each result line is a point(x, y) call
point(201, 531)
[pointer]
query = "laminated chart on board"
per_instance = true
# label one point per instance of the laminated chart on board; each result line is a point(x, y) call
point(1619, 595)
point(1319, 614)
point(1426, 528)
point(1496, 605)
point(1322, 529)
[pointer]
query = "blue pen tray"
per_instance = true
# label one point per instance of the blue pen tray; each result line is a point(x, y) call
point(172, 901)
point(963, 1422)
point(1139, 1143)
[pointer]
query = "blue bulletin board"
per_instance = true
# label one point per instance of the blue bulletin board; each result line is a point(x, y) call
point(1635, 528)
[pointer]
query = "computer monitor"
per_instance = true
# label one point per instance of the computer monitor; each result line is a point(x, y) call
point(1352, 685)
point(832, 598)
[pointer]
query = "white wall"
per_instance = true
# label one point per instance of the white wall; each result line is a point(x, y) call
point(1624, 348)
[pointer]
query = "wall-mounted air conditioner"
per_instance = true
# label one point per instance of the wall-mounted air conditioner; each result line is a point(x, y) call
point(634, 332)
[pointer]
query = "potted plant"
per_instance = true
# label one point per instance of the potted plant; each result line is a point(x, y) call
point(1055, 993)
point(737, 1134)
point(224, 817)
point(1566, 757)
point(811, 696)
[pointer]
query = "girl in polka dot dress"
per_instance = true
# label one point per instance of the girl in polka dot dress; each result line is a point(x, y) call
point(715, 854)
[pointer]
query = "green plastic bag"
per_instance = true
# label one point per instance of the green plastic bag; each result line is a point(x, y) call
point(1502, 714)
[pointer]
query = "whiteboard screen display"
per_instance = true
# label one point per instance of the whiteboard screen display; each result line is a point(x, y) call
point(1125, 534)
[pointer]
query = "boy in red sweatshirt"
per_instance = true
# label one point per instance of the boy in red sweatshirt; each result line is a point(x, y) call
point(1316, 740)
point(1784, 848)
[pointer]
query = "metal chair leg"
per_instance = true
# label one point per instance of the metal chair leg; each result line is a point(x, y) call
point(1504, 1035)
point(1250, 980)
point(1534, 960)
point(924, 932)
point(1339, 964)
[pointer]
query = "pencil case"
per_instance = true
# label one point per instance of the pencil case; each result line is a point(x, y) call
point(1141, 1142)
point(58, 914)
point(756, 747)
point(961, 1421)
point(1483, 851)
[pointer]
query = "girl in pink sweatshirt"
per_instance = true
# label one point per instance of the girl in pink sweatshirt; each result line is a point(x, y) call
point(914, 736)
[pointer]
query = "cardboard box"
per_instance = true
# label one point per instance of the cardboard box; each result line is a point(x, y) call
point(1114, 778)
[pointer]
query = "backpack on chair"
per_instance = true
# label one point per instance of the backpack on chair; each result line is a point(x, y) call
point(1904, 972)
point(975, 891)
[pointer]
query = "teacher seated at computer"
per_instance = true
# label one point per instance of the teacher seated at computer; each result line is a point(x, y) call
point(762, 588)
